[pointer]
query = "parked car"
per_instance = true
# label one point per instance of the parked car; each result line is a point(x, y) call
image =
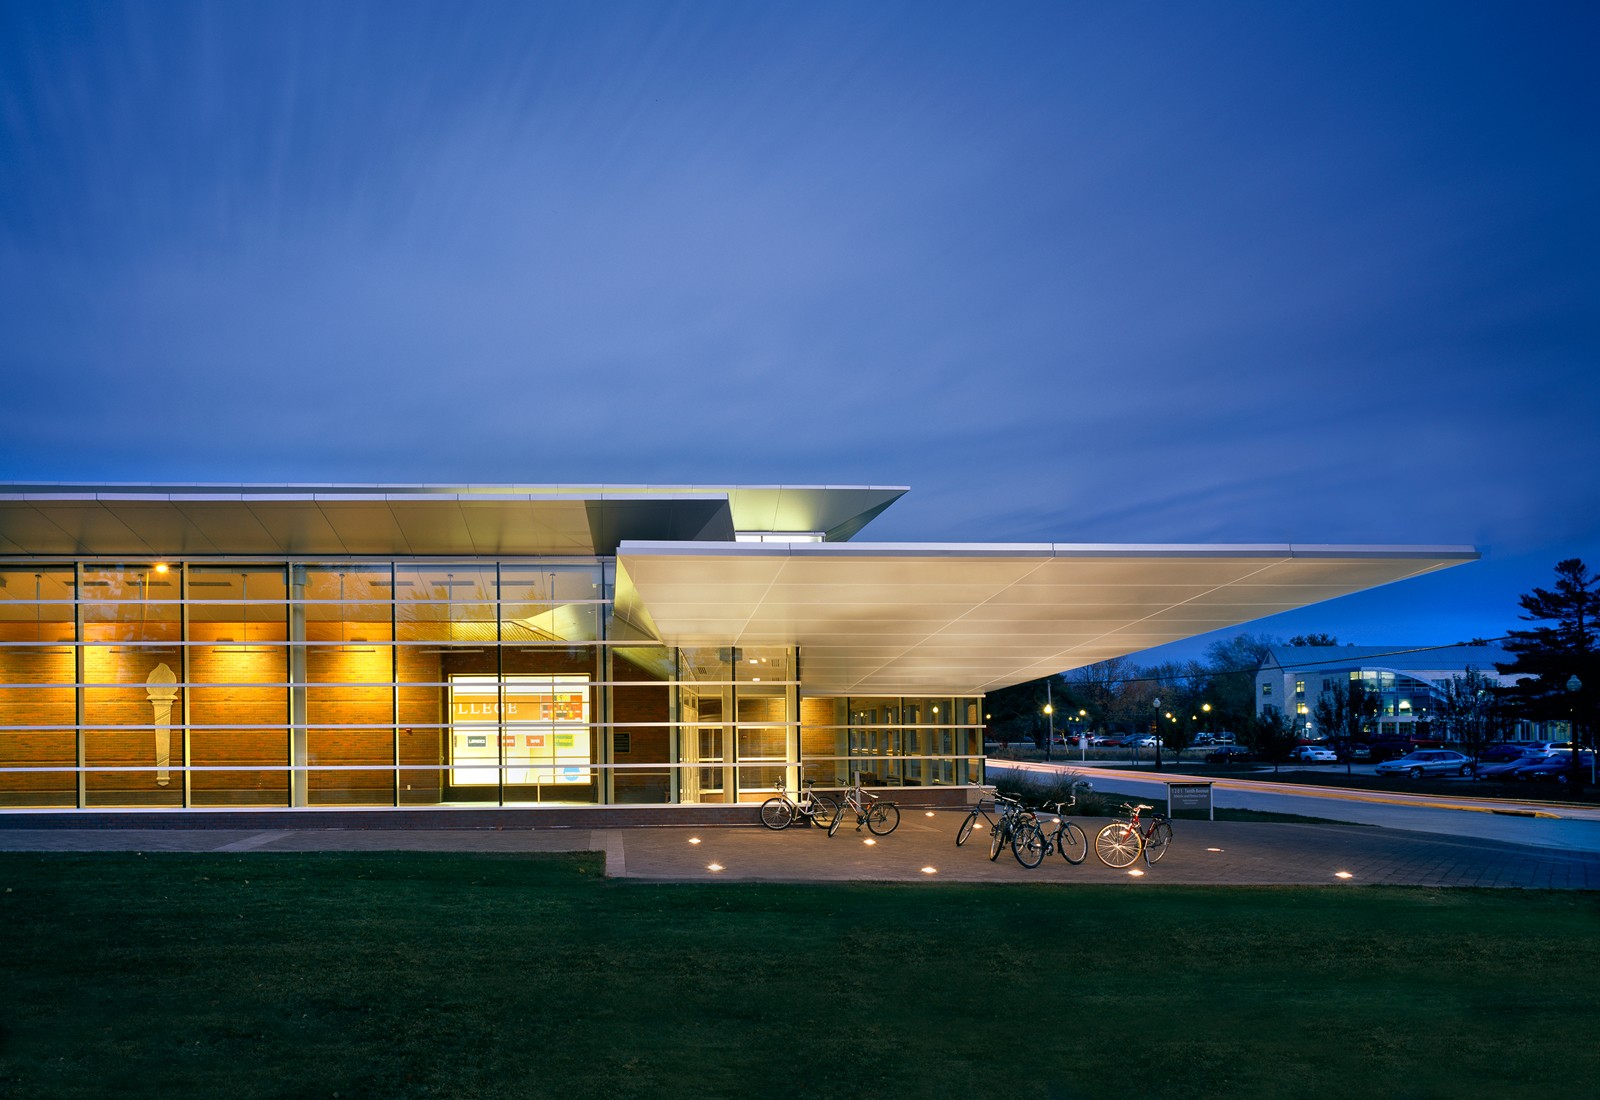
point(1427, 762)
point(1499, 754)
point(1505, 769)
point(1228, 754)
point(1389, 748)
point(1553, 768)
point(1144, 742)
point(1313, 754)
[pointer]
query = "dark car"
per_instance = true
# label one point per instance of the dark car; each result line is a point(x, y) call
point(1228, 754)
point(1505, 769)
point(1501, 753)
point(1390, 748)
point(1555, 767)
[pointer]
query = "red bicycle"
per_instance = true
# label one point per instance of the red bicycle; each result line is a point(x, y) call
point(1121, 842)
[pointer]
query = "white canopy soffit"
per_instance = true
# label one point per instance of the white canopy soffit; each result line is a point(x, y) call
point(882, 619)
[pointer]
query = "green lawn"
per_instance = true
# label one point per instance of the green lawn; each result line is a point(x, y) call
point(411, 975)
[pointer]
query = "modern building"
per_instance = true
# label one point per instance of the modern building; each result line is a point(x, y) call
point(187, 647)
point(1406, 680)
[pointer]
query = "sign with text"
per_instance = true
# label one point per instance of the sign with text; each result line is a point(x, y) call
point(534, 727)
point(1189, 796)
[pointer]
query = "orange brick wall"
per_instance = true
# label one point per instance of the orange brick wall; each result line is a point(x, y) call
point(22, 748)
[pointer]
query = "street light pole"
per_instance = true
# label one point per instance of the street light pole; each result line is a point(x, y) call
point(1083, 737)
point(1050, 716)
point(1575, 780)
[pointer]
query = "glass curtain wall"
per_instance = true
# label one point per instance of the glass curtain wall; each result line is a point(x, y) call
point(362, 683)
point(892, 741)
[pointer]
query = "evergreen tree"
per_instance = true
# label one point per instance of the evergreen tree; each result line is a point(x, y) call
point(1548, 656)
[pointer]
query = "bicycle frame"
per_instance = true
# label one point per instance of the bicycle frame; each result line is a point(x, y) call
point(1121, 842)
point(876, 814)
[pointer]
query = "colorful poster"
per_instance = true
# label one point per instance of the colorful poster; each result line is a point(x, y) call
point(534, 729)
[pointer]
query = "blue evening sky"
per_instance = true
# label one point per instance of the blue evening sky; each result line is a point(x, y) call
point(1102, 272)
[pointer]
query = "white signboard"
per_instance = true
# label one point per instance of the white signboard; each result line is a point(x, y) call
point(536, 727)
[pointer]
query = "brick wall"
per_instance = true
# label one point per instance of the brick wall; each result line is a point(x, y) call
point(21, 748)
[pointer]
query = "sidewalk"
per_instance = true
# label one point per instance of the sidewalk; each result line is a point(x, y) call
point(1213, 853)
point(1466, 815)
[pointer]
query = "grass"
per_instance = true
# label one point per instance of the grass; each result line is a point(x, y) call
point(450, 975)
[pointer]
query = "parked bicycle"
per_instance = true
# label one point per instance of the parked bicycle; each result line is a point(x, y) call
point(970, 822)
point(780, 811)
point(1034, 839)
point(877, 815)
point(1012, 817)
point(1122, 842)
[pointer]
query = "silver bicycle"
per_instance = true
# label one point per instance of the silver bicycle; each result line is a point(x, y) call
point(877, 815)
point(780, 811)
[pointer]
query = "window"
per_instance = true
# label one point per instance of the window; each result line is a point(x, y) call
point(1300, 688)
point(1266, 689)
point(1300, 708)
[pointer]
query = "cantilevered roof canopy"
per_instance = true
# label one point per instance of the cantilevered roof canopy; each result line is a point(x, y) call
point(420, 520)
point(917, 619)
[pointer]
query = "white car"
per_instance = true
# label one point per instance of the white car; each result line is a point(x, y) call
point(1314, 754)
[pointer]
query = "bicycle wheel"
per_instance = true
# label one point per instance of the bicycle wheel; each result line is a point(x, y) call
point(966, 828)
point(833, 826)
point(1155, 845)
point(1117, 844)
point(1028, 845)
point(883, 818)
point(999, 837)
point(1072, 843)
point(776, 813)
point(823, 810)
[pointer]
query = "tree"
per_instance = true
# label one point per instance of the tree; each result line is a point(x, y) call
point(1017, 712)
point(1231, 666)
point(1547, 657)
point(1313, 639)
point(1469, 710)
point(1100, 688)
point(1343, 710)
point(1272, 732)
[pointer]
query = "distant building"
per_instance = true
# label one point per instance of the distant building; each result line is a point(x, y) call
point(1406, 679)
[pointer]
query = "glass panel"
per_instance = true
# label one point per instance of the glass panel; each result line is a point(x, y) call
point(706, 704)
point(823, 745)
point(23, 710)
point(135, 725)
point(36, 605)
point(350, 725)
point(641, 708)
point(239, 698)
point(763, 665)
point(446, 603)
point(550, 603)
point(533, 735)
point(345, 604)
